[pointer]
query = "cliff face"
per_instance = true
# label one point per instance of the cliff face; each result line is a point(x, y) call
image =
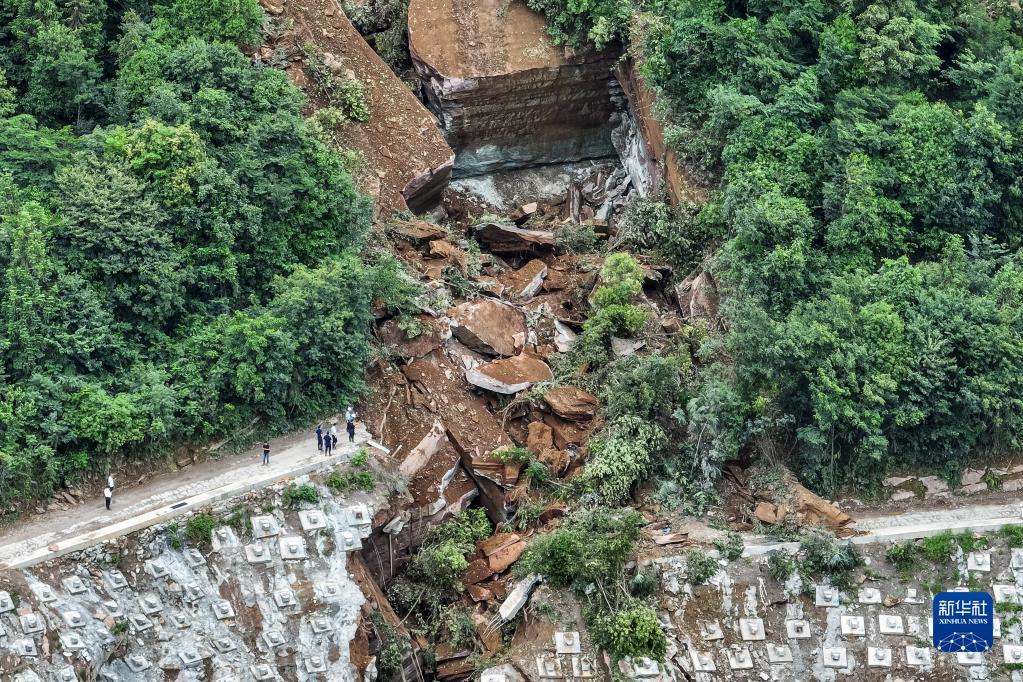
point(507, 98)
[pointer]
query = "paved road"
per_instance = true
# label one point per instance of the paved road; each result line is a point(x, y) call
point(146, 504)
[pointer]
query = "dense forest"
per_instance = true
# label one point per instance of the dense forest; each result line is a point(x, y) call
point(865, 160)
point(177, 247)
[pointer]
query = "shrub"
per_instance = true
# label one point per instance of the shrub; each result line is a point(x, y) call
point(577, 239)
point(632, 630)
point(621, 456)
point(515, 455)
point(199, 529)
point(730, 546)
point(939, 548)
point(360, 458)
point(175, 536)
point(340, 482)
point(825, 554)
point(903, 557)
point(700, 567)
point(294, 495)
point(1013, 534)
point(345, 95)
point(781, 565)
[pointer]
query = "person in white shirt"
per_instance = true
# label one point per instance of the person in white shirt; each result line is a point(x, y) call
point(108, 493)
point(110, 481)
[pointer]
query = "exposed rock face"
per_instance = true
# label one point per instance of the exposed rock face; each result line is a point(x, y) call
point(510, 375)
point(488, 326)
point(507, 98)
point(698, 298)
point(572, 403)
point(408, 159)
point(502, 238)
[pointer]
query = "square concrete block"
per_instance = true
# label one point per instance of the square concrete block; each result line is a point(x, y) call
point(139, 622)
point(273, 638)
point(1004, 594)
point(752, 629)
point(358, 517)
point(137, 663)
point(779, 653)
point(567, 643)
point(583, 667)
point(710, 630)
point(835, 657)
point(879, 658)
point(285, 598)
point(261, 672)
point(853, 626)
point(71, 641)
point(189, 657)
point(150, 604)
point(181, 620)
point(26, 648)
point(26, 676)
point(890, 625)
point(44, 593)
point(223, 609)
point(918, 656)
point(115, 580)
point(319, 625)
point(194, 558)
point(350, 541)
point(869, 595)
point(312, 519)
point(329, 591)
point(224, 539)
point(912, 596)
point(826, 596)
point(703, 661)
point(257, 553)
point(740, 659)
point(31, 623)
point(1016, 561)
point(156, 569)
point(979, 561)
point(66, 675)
point(73, 619)
point(6, 603)
point(192, 593)
point(74, 585)
point(113, 608)
point(315, 664)
point(1012, 653)
point(996, 627)
point(797, 629)
point(292, 548)
point(224, 645)
point(264, 527)
point(969, 658)
point(548, 666)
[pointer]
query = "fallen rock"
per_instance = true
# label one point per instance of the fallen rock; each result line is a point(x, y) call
point(488, 326)
point(417, 231)
point(478, 571)
point(572, 403)
point(391, 333)
point(540, 437)
point(564, 338)
point(556, 461)
point(524, 283)
point(698, 297)
point(510, 375)
point(623, 347)
point(504, 558)
point(766, 513)
point(503, 238)
point(445, 249)
point(566, 432)
point(497, 542)
point(522, 213)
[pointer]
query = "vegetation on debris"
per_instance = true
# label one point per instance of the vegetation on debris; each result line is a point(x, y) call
point(297, 494)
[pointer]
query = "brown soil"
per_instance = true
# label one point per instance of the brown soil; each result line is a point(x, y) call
point(401, 140)
point(471, 38)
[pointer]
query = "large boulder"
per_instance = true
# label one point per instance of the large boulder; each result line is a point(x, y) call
point(572, 403)
point(510, 375)
point(489, 326)
point(524, 283)
point(504, 238)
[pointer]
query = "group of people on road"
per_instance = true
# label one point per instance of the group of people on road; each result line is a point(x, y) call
point(327, 440)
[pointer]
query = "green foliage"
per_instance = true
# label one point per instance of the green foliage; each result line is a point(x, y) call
point(341, 482)
point(621, 281)
point(633, 630)
point(782, 565)
point(730, 546)
point(175, 243)
point(621, 456)
point(199, 529)
point(700, 567)
point(393, 649)
point(513, 454)
point(903, 557)
point(175, 536)
point(343, 94)
point(824, 554)
point(600, 22)
point(360, 458)
point(576, 238)
point(294, 495)
point(677, 233)
point(1013, 534)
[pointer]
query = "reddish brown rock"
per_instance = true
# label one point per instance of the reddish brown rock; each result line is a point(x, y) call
point(445, 249)
point(488, 326)
point(524, 283)
point(566, 432)
point(698, 298)
point(502, 559)
point(510, 375)
point(766, 513)
point(556, 461)
point(391, 333)
point(502, 238)
point(478, 571)
point(497, 542)
point(572, 403)
point(540, 437)
point(417, 231)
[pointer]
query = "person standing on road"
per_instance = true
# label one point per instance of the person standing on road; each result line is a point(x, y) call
point(266, 453)
point(107, 494)
point(326, 444)
point(351, 432)
point(333, 432)
point(333, 440)
point(319, 437)
point(350, 414)
point(110, 481)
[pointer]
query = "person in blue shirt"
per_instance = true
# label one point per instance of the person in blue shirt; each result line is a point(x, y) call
point(319, 437)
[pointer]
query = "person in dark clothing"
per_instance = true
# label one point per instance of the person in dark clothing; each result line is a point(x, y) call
point(327, 444)
point(333, 440)
point(351, 432)
point(319, 437)
point(266, 453)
